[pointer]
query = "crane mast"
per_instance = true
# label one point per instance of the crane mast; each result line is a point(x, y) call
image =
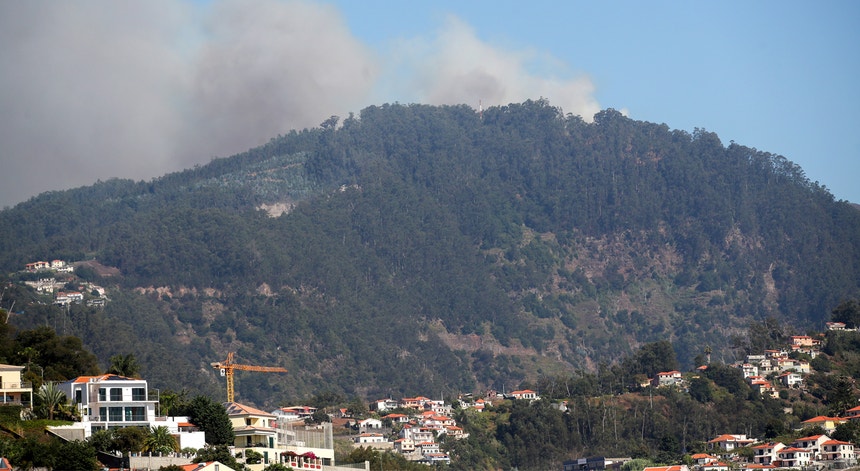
point(228, 366)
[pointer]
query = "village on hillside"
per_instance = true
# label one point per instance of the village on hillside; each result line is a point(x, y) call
point(303, 437)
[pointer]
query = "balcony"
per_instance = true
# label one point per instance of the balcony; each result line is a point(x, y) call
point(9, 386)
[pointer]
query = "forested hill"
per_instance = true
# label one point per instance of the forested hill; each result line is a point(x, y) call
point(425, 250)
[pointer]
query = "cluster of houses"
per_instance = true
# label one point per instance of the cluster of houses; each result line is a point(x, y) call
point(49, 284)
point(812, 452)
point(111, 401)
point(817, 450)
point(762, 371)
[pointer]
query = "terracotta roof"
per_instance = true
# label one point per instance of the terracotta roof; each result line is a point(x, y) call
point(106, 377)
point(234, 408)
point(835, 442)
point(820, 418)
point(811, 437)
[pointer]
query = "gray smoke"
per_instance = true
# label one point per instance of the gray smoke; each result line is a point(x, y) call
point(95, 90)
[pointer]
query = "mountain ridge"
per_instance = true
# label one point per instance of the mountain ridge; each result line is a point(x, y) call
point(414, 240)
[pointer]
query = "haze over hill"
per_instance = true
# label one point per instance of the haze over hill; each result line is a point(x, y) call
point(434, 248)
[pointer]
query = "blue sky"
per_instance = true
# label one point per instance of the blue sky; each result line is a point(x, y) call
point(783, 77)
point(102, 89)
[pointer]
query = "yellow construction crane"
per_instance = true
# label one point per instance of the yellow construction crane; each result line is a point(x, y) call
point(228, 366)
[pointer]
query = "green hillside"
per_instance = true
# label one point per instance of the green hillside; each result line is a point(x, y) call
point(421, 249)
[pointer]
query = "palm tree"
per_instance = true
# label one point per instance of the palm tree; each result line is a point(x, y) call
point(50, 399)
point(169, 401)
point(124, 365)
point(160, 440)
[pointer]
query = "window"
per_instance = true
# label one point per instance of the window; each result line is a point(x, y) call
point(78, 396)
point(115, 394)
point(138, 394)
point(102, 394)
point(102, 413)
point(135, 414)
point(115, 414)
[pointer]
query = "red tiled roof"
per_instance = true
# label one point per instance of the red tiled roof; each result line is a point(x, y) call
point(234, 408)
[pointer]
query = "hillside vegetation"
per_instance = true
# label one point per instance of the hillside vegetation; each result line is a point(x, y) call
point(421, 249)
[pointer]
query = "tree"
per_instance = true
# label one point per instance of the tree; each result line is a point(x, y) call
point(277, 467)
point(160, 440)
point(77, 455)
point(218, 453)
point(700, 389)
point(169, 401)
point(253, 457)
point(847, 312)
point(49, 400)
point(129, 439)
point(212, 418)
point(124, 365)
point(102, 440)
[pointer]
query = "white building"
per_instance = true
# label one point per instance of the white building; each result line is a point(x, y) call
point(111, 401)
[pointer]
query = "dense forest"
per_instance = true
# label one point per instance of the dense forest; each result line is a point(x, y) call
point(417, 249)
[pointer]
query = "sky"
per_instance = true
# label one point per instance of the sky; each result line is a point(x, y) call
point(94, 90)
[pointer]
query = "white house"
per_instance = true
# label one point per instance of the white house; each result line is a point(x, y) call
point(526, 394)
point(790, 379)
point(111, 401)
point(728, 442)
point(812, 444)
point(792, 457)
point(667, 378)
point(766, 453)
point(833, 450)
point(369, 438)
point(368, 424)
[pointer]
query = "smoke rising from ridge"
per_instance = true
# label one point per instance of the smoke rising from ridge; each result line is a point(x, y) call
point(96, 90)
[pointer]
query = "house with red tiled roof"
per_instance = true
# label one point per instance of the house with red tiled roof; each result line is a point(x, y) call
point(526, 394)
point(210, 466)
point(853, 413)
point(252, 427)
point(756, 466)
point(416, 402)
point(714, 466)
point(793, 457)
point(4, 463)
point(702, 458)
point(812, 443)
point(766, 453)
point(827, 423)
point(397, 418)
point(728, 442)
point(666, 378)
point(110, 401)
point(835, 325)
point(833, 450)
point(682, 467)
point(455, 432)
point(763, 387)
